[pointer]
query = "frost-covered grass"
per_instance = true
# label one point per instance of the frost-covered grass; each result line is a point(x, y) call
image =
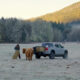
point(43, 69)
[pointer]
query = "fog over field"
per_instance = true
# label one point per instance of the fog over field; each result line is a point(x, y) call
point(42, 69)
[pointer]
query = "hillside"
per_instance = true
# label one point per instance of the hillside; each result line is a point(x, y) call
point(68, 14)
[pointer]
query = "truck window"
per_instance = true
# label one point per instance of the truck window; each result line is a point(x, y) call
point(56, 45)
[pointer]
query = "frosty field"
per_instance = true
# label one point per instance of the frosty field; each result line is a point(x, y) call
point(43, 69)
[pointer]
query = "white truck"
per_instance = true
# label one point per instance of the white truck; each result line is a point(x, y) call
point(50, 49)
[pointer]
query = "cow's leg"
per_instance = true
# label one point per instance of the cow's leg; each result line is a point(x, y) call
point(29, 58)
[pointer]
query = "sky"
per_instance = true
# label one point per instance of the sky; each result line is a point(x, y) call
point(25, 9)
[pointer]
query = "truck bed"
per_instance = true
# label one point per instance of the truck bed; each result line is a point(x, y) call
point(39, 49)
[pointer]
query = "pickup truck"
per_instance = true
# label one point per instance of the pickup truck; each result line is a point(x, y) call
point(50, 49)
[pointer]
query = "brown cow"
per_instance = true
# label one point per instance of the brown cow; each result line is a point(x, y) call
point(28, 53)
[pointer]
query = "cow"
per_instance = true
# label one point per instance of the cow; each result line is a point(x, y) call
point(28, 53)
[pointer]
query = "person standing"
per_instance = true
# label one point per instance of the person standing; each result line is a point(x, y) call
point(17, 52)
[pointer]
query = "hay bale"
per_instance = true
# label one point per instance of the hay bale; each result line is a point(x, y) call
point(40, 49)
point(16, 54)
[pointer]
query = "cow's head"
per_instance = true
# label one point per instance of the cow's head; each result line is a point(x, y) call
point(24, 49)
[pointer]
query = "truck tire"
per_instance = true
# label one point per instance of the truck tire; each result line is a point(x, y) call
point(37, 56)
point(52, 55)
point(65, 56)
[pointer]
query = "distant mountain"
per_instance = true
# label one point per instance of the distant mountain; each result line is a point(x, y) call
point(66, 15)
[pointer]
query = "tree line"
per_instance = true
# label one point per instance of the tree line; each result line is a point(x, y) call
point(14, 30)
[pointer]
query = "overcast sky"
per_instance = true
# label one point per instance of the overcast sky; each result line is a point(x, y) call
point(25, 9)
